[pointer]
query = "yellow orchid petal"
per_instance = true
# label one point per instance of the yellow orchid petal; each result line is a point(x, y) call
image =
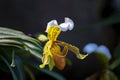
point(53, 33)
point(51, 63)
point(47, 47)
point(72, 48)
point(65, 51)
point(55, 49)
point(45, 60)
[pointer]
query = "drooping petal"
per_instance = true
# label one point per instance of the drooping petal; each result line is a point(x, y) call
point(90, 48)
point(72, 48)
point(45, 60)
point(50, 24)
point(47, 47)
point(70, 22)
point(47, 56)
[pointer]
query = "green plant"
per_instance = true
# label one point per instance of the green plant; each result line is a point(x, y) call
point(15, 55)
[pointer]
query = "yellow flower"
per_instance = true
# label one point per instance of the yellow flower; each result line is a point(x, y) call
point(52, 53)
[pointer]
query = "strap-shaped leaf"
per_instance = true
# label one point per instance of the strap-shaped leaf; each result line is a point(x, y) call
point(55, 75)
point(11, 33)
point(19, 68)
point(10, 37)
point(11, 70)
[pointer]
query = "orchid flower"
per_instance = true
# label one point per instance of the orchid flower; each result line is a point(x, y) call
point(52, 53)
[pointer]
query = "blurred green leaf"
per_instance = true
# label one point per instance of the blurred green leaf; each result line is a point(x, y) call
point(117, 51)
point(108, 75)
point(11, 33)
point(103, 60)
point(103, 75)
point(29, 72)
point(10, 37)
point(55, 75)
point(115, 64)
point(68, 62)
point(13, 39)
point(19, 68)
point(113, 19)
point(11, 70)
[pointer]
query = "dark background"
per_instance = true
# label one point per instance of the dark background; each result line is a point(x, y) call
point(31, 17)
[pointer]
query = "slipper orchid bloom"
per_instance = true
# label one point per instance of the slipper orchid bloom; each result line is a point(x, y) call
point(52, 53)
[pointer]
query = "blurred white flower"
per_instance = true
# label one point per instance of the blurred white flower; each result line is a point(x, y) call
point(92, 47)
point(103, 49)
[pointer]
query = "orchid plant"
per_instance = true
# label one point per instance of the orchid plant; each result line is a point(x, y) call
point(15, 48)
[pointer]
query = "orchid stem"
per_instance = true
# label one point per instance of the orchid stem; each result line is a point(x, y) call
point(13, 59)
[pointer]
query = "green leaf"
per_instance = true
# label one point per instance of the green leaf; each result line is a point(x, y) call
point(113, 19)
point(32, 77)
point(117, 51)
point(10, 33)
point(11, 70)
point(10, 42)
point(108, 75)
point(103, 75)
point(103, 60)
point(19, 68)
point(46, 71)
point(51, 73)
point(115, 64)
point(10, 37)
